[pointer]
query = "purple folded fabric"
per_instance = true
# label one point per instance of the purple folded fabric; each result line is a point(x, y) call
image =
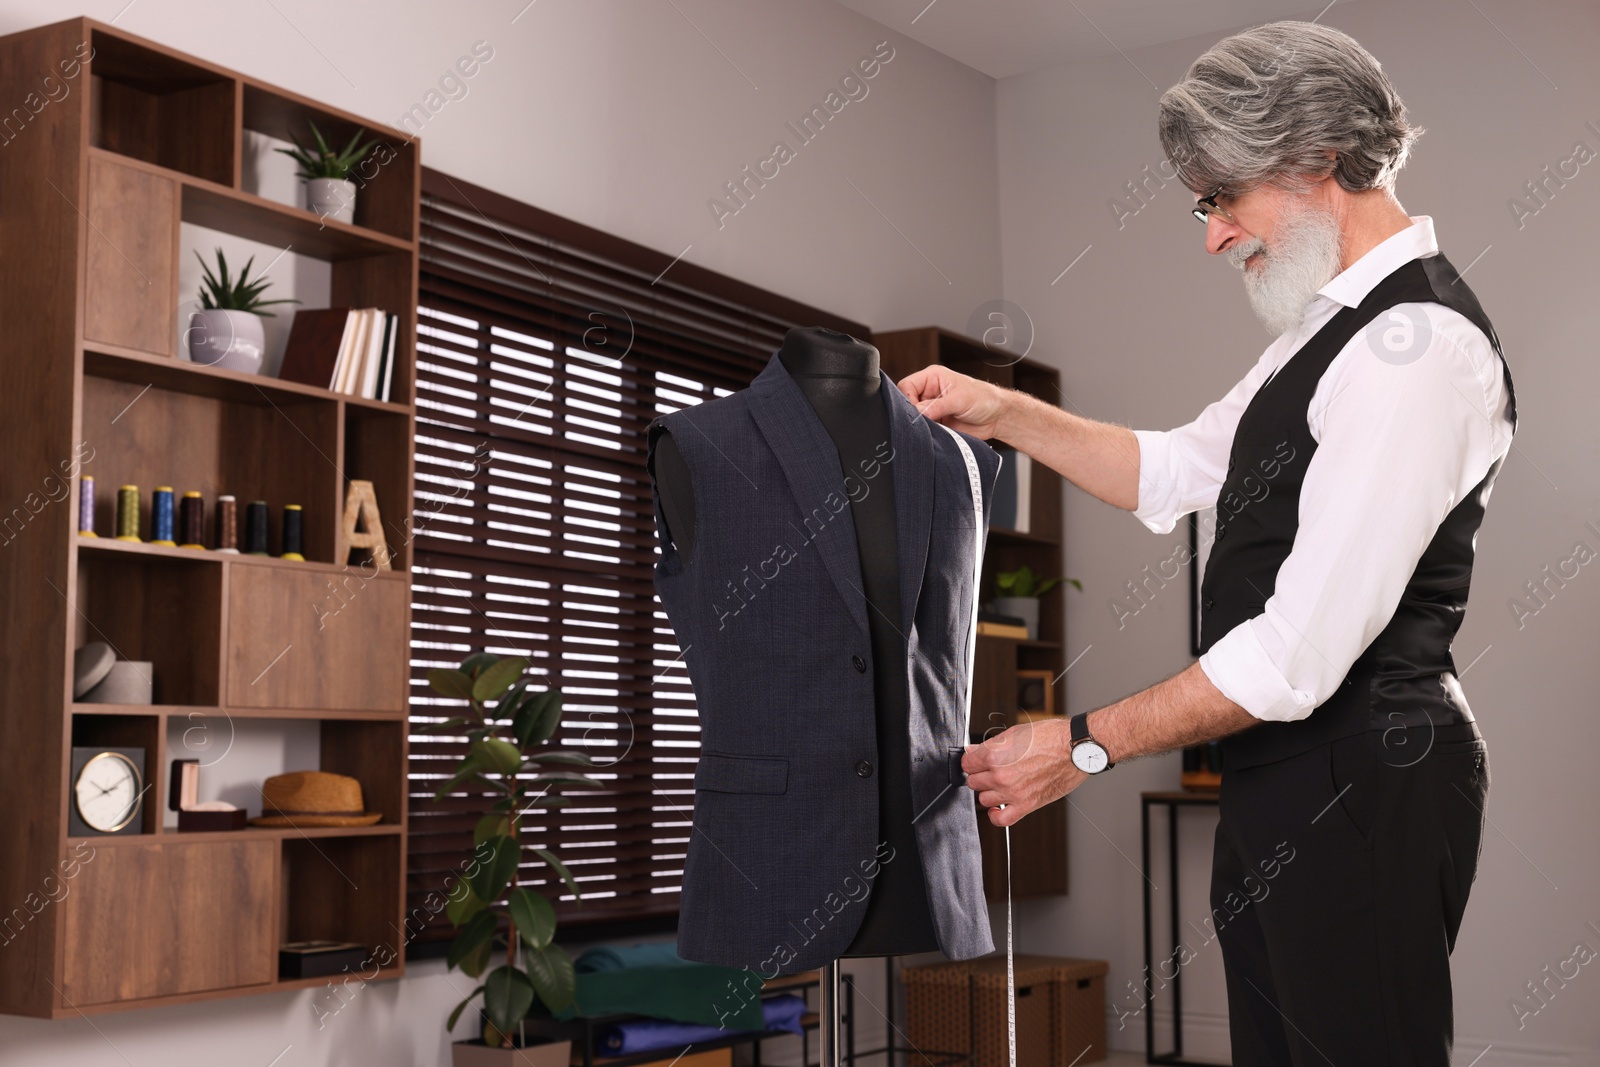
point(647, 1035)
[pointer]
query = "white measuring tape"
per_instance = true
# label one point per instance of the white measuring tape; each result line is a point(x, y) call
point(975, 483)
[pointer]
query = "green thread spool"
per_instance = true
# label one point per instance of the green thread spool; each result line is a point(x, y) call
point(192, 520)
point(294, 536)
point(128, 513)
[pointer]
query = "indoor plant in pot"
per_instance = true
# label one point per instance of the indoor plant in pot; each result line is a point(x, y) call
point(227, 332)
point(1020, 592)
point(505, 933)
point(329, 191)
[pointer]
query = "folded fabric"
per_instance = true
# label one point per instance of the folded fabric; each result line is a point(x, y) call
point(681, 992)
point(647, 1035)
point(621, 957)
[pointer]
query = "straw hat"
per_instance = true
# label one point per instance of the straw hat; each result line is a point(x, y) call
point(313, 798)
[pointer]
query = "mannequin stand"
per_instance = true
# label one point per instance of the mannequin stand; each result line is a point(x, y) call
point(830, 1015)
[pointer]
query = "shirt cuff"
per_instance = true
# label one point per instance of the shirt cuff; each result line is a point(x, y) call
point(1238, 665)
point(1157, 504)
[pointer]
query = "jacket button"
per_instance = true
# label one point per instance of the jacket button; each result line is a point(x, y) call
point(860, 664)
point(864, 769)
point(1230, 464)
point(1222, 531)
point(1208, 603)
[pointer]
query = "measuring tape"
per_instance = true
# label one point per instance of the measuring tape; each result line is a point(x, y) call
point(975, 484)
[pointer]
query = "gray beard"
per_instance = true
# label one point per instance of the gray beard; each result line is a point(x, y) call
point(1304, 256)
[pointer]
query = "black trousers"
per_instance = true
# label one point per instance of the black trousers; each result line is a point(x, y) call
point(1338, 883)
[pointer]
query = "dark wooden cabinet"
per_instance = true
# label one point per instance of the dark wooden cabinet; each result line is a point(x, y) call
point(1038, 842)
point(134, 140)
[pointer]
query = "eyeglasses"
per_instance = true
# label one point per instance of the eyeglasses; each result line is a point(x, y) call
point(1207, 206)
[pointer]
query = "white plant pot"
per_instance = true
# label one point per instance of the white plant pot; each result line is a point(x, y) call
point(230, 339)
point(331, 198)
point(1024, 607)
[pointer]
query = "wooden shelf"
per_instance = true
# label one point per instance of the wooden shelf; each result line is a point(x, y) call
point(169, 372)
point(97, 192)
point(273, 833)
point(211, 556)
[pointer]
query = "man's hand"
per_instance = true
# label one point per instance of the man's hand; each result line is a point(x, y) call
point(1024, 768)
point(967, 404)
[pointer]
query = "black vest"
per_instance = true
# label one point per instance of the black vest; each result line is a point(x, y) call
point(1406, 675)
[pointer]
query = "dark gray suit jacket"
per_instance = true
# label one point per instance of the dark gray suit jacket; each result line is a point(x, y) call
point(772, 623)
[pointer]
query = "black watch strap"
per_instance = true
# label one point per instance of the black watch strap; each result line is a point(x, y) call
point(1080, 727)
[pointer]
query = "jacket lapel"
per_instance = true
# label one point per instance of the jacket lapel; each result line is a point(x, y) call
point(912, 466)
point(815, 477)
point(810, 465)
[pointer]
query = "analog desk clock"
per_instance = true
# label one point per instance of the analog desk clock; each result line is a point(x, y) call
point(106, 791)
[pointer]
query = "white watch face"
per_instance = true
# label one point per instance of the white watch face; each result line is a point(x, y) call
point(1089, 757)
point(107, 791)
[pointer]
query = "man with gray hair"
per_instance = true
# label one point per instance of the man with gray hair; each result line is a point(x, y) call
point(1350, 468)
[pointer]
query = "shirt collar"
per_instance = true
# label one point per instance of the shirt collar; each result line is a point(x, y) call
point(1351, 285)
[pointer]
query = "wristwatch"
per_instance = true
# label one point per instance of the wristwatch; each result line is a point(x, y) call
point(1087, 754)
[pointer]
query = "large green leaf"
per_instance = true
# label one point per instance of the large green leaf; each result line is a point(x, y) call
point(449, 682)
point(561, 869)
point(538, 718)
point(534, 917)
point(477, 663)
point(493, 680)
point(490, 826)
point(461, 903)
point(564, 757)
point(470, 950)
point(455, 1015)
point(507, 996)
point(551, 972)
point(494, 754)
point(497, 866)
point(506, 707)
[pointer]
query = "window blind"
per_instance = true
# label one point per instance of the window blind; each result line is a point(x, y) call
point(544, 348)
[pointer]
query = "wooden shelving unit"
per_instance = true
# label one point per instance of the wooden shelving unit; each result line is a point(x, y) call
point(125, 142)
point(1040, 840)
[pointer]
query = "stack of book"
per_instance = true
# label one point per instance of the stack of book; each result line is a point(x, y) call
point(347, 350)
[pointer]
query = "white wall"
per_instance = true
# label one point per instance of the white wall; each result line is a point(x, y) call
point(1147, 329)
point(628, 117)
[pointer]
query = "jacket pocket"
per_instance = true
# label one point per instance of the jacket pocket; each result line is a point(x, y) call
point(741, 774)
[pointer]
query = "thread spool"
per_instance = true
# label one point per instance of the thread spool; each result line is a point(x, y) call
point(161, 517)
point(255, 528)
point(86, 506)
point(228, 524)
point(294, 532)
point(192, 519)
point(128, 513)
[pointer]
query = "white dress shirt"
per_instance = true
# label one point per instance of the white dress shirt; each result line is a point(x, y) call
point(1400, 442)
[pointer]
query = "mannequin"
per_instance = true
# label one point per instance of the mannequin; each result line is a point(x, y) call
point(840, 378)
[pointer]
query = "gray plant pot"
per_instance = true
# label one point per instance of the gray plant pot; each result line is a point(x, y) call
point(1024, 607)
point(331, 198)
point(233, 340)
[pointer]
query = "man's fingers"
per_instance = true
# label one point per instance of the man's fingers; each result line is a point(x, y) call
point(975, 760)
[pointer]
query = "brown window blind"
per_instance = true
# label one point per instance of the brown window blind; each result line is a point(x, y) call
point(544, 348)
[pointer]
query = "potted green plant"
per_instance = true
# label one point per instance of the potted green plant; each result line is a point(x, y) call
point(505, 935)
point(1020, 592)
point(329, 191)
point(227, 332)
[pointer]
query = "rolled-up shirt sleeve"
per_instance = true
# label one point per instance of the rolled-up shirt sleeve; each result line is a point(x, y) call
point(1181, 470)
point(1399, 446)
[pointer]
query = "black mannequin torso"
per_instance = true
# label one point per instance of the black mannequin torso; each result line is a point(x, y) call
point(840, 378)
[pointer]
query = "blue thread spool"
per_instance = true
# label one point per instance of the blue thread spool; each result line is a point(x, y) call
point(161, 517)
